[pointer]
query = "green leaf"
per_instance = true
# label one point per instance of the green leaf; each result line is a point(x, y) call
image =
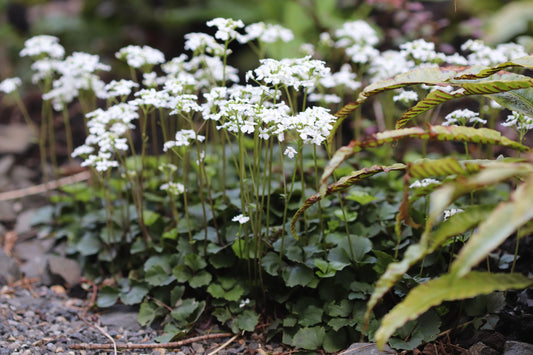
point(234, 294)
point(504, 220)
point(341, 309)
point(188, 311)
point(499, 85)
point(247, 320)
point(157, 275)
point(360, 197)
point(445, 288)
point(311, 315)
point(297, 276)
point(200, 279)
point(271, 263)
point(148, 312)
point(107, 296)
point(182, 273)
point(150, 217)
point(195, 262)
point(343, 183)
point(335, 341)
point(89, 244)
point(135, 294)
point(309, 338)
point(216, 290)
point(222, 314)
point(176, 294)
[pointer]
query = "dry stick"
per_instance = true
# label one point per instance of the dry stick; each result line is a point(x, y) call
point(42, 188)
point(174, 344)
point(224, 345)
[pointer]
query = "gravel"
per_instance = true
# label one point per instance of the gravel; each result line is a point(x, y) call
point(41, 321)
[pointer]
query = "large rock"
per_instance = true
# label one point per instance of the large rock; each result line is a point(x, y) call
point(9, 269)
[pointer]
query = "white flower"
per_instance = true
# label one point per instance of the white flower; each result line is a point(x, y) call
point(325, 98)
point(388, 64)
point(174, 188)
point(423, 183)
point(43, 69)
point(343, 78)
point(422, 52)
point(242, 219)
point(462, 118)
point(183, 138)
point(359, 39)
point(152, 98)
point(295, 72)
point(290, 152)
point(359, 32)
point(406, 96)
point(10, 85)
point(226, 28)
point(519, 121)
point(307, 49)
point(202, 42)
point(137, 56)
point(43, 45)
point(119, 88)
point(481, 54)
point(184, 103)
point(314, 124)
point(266, 33)
point(244, 302)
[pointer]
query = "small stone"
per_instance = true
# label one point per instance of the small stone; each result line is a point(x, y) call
point(198, 348)
point(517, 348)
point(6, 212)
point(15, 138)
point(6, 163)
point(9, 268)
point(66, 269)
point(366, 349)
point(480, 348)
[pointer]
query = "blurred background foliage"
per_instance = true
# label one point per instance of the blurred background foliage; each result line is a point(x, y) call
point(102, 27)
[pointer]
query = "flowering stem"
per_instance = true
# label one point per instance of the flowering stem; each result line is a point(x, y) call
point(68, 132)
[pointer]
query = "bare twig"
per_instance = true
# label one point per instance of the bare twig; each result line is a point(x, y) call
point(175, 344)
point(43, 188)
point(224, 345)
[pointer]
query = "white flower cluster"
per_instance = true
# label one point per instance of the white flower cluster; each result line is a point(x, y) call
point(42, 46)
point(226, 28)
point(422, 52)
point(183, 138)
point(481, 54)
point(138, 57)
point(107, 129)
point(173, 188)
point(76, 73)
point(519, 121)
point(10, 85)
point(359, 39)
point(266, 33)
point(405, 96)
point(462, 118)
point(290, 72)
